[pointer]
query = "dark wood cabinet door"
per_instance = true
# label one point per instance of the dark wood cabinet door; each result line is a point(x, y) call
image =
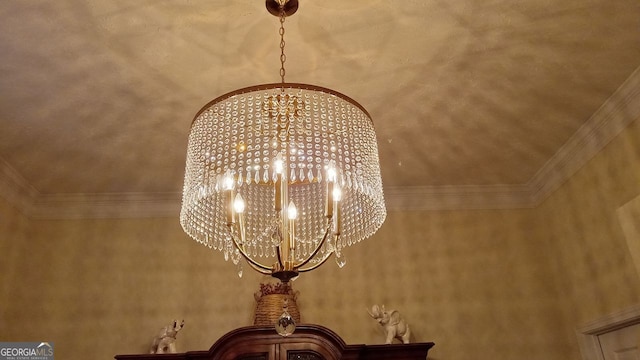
point(247, 351)
point(263, 356)
point(307, 351)
point(303, 355)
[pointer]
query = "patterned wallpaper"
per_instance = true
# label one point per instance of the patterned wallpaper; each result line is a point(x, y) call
point(586, 243)
point(482, 284)
point(13, 229)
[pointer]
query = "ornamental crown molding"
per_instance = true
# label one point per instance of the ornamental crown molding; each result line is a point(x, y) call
point(620, 109)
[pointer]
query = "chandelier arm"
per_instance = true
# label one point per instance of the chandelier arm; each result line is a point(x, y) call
point(258, 269)
point(254, 264)
point(326, 257)
point(247, 257)
point(317, 249)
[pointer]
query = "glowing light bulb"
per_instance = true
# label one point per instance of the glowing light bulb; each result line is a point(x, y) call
point(292, 211)
point(337, 193)
point(278, 164)
point(238, 204)
point(331, 174)
point(227, 182)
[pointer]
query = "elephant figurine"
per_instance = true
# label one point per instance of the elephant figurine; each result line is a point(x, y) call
point(392, 322)
point(165, 341)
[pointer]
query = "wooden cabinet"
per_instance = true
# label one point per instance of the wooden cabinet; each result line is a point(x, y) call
point(308, 342)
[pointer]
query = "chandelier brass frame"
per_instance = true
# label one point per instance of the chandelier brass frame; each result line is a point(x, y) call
point(288, 172)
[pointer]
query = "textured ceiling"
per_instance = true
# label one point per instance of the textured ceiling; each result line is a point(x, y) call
point(97, 96)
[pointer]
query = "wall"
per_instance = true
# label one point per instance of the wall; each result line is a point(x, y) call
point(587, 246)
point(475, 282)
point(13, 231)
point(481, 284)
point(100, 287)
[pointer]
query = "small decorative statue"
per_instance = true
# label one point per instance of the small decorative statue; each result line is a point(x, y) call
point(392, 322)
point(165, 341)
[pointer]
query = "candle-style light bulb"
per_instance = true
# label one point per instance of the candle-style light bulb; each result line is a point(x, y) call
point(331, 179)
point(331, 174)
point(238, 207)
point(337, 216)
point(227, 182)
point(238, 204)
point(292, 211)
point(227, 185)
point(337, 193)
point(278, 164)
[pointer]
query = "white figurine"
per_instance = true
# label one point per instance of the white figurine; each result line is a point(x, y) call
point(165, 341)
point(392, 322)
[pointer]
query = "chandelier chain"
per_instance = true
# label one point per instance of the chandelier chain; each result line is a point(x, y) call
point(283, 57)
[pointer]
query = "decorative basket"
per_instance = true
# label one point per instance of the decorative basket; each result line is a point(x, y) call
point(270, 300)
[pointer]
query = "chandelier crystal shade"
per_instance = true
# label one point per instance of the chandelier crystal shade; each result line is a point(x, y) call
point(283, 175)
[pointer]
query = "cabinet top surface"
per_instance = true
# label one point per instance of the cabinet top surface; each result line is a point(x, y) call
point(314, 335)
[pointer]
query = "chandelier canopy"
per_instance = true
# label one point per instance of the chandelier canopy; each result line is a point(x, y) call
point(283, 175)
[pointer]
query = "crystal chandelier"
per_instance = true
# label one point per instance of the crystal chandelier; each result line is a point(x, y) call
point(283, 175)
